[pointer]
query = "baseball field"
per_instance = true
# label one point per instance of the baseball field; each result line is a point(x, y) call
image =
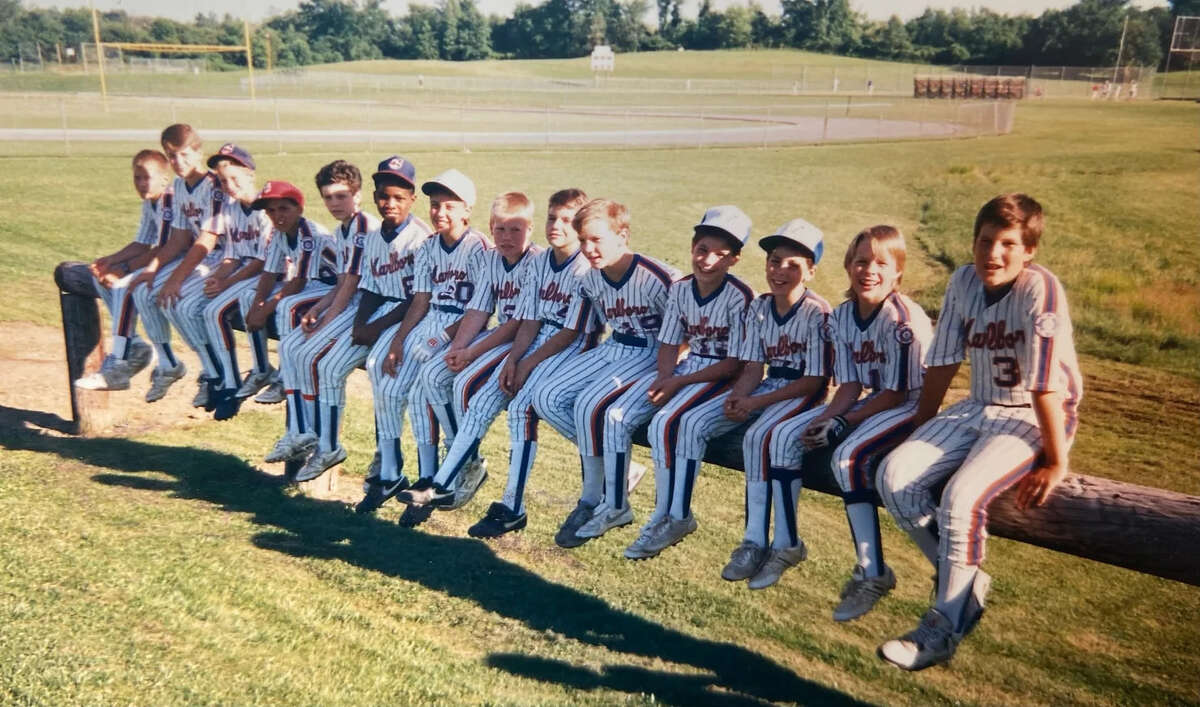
point(159, 564)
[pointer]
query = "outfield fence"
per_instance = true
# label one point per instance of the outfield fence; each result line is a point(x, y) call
point(64, 124)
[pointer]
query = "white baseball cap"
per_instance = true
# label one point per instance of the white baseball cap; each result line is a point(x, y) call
point(729, 219)
point(798, 233)
point(454, 182)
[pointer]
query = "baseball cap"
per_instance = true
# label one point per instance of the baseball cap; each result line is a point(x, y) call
point(729, 219)
point(798, 233)
point(454, 182)
point(230, 151)
point(397, 167)
point(277, 190)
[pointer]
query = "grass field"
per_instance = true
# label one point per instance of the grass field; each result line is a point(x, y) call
point(160, 566)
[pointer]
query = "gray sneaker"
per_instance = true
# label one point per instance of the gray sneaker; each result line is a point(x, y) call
point(291, 447)
point(114, 374)
point(203, 386)
point(778, 562)
point(641, 548)
point(861, 593)
point(255, 382)
point(138, 355)
point(321, 462)
point(469, 483)
point(272, 394)
point(931, 643)
point(567, 534)
point(604, 519)
point(161, 381)
point(744, 561)
point(673, 531)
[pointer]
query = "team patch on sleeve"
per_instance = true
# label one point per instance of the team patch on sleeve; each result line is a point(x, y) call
point(359, 240)
point(308, 244)
point(1046, 325)
point(904, 334)
point(827, 331)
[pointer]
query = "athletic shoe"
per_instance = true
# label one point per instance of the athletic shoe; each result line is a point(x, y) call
point(204, 391)
point(272, 394)
point(292, 447)
point(161, 380)
point(744, 562)
point(414, 515)
point(139, 354)
point(256, 381)
point(861, 593)
point(114, 374)
point(373, 470)
point(778, 562)
point(604, 519)
point(672, 532)
point(931, 643)
point(321, 462)
point(468, 485)
point(641, 548)
point(567, 534)
point(500, 519)
point(225, 404)
point(636, 473)
point(420, 493)
point(378, 492)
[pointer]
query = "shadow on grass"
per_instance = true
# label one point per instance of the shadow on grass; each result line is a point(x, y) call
point(466, 568)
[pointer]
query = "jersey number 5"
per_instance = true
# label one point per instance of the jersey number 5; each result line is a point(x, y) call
point(1008, 371)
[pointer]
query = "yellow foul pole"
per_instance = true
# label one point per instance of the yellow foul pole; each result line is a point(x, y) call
point(249, 57)
point(99, 55)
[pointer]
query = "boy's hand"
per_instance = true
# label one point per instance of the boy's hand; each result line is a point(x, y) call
point(256, 318)
point(108, 279)
point(395, 357)
point(458, 359)
point(517, 373)
point(99, 267)
point(143, 278)
point(169, 294)
point(662, 390)
point(735, 408)
point(1038, 484)
point(311, 322)
point(214, 286)
point(827, 432)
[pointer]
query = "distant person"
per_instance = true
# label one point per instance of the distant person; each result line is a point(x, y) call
point(870, 87)
point(1133, 88)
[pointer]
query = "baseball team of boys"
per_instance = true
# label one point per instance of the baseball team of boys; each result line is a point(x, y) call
point(692, 356)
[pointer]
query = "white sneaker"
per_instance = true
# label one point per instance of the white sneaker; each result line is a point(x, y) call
point(139, 355)
point(291, 447)
point(604, 519)
point(321, 462)
point(640, 549)
point(272, 394)
point(930, 643)
point(114, 374)
point(778, 562)
point(744, 562)
point(255, 382)
point(636, 473)
point(161, 381)
point(861, 593)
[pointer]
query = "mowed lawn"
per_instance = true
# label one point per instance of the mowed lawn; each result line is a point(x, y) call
point(160, 566)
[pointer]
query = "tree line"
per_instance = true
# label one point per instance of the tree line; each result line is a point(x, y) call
point(320, 31)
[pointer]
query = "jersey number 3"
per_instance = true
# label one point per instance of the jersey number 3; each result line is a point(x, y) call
point(1008, 371)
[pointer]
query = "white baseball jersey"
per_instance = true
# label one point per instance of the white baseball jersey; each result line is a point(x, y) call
point(244, 232)
point(552, 289)
point(309, 254)
point(500, 285)
point(198, 207)
point(351, 239)
point(797, 344)
point(713, 326)
point(885, 352)
point(1020, 343)
point(389, 257)
point(157, 215)
point(631, 307)
point(451, 274)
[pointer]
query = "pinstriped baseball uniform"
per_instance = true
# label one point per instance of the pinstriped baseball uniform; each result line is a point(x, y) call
point(322, 272)
point(245, 233)
point(498, 290)
point(578, 400)
point(449, 275)
point(1018, 344)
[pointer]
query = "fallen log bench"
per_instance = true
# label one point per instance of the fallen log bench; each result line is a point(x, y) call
point(1145, 529)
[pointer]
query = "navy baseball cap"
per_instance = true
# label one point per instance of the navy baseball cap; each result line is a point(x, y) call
point(233, 153)
point(797, 233)
point(398, 167)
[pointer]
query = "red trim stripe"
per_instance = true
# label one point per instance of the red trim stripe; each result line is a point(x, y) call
point(598, 413)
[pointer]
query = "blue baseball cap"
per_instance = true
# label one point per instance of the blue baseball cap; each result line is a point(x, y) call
point(397, 166)
point(797, 233)
point(233, 153)
point(728, 219)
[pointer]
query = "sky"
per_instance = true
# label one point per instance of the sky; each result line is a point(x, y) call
point(255, 10)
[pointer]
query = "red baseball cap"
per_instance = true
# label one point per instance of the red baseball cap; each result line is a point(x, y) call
point(278, 190)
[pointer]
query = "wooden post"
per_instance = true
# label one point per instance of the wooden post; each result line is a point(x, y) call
point(1140, 528)
point(85, 353)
